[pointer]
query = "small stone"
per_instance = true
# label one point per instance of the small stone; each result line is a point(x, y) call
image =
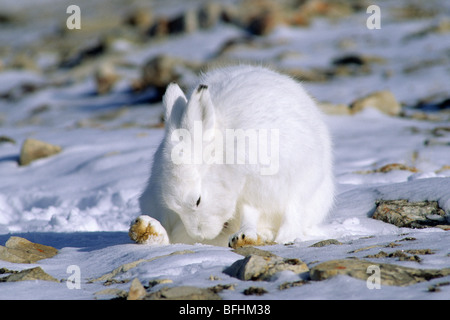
point(183, 293)
point(140, 18)
point(6, 139)
point(384, 101)
point(209, 14)
point(262, 24)
point(254, 291)
point(29, 274)
point(220, 287)
point(334, 109)
point(187, 22)
point(324, 243)
point(309, 75)
point(33, 149)
point(287, 285)
point(20, 250)
point(105, 78)
point(390, 167)
point(249, 250)
point(259, 17)
point(392, 275)
point(403, 213)
point(116, 293)
point(155, 282)
point(159, 71)
point(258, 268)
point(137, 290)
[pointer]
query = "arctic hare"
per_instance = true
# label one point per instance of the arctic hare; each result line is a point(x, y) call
point(247, 160)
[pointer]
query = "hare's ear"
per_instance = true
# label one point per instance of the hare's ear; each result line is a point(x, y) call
point(200, 108)
point(174, 102)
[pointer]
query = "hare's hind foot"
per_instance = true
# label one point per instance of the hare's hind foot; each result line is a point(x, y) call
point(147, 230)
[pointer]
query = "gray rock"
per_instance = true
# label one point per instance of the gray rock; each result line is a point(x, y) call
point(137, 290)
point(257, 268)
point(187, 22)
point(249, 250)
point(209, 14)
point(141, 18)
point(403, 213)
point(334, 109)
point(183, 293)
point(159, 71)
point(254, 291)
point(324, 243)
point(33, 149)
point(384, 101)
point(105, 78)
point(392, 275)
point(6, 139)
point(29, 274)
point(20, 250)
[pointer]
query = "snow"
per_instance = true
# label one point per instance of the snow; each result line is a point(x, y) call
point(82, 200)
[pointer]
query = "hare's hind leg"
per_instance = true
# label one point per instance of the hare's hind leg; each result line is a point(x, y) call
point(290, 227)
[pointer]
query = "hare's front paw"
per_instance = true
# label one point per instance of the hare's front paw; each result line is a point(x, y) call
point(146, 230)
point(242, 239)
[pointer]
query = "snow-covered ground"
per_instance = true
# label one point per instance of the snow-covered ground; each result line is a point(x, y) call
point(82, 200)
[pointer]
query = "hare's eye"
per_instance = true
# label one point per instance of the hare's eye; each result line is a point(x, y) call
point(198, 201)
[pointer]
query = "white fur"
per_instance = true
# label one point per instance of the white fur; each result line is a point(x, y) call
point(278, 207)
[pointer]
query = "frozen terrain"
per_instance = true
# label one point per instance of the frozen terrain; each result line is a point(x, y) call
point(81, 201)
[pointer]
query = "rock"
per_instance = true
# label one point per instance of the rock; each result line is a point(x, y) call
point(155, 282)
point(187, 22)
point(390, 167)
point(309, 75)
point(220, 287)
point(33, 149)
point(302, 14)
point(262, 18)
point(263, 23)
point(254, 291)
point(137, 290)
point(400, 254)
point(116, 293)
point(392, 275)
point(256, 268)
point(403, 213)
point(334, 109)
point(159, 71)
point(324, 243)
point(29, 274)
point(6, 139)
point(140, 18)
point(20, 250)
point(209, 14)
point(384, 101)
point(160, 27)
point(183, 293)
point(105, 78)
point(287, 285)
point(441, 27)
point(246, 251)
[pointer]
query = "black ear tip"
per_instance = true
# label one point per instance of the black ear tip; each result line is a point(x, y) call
point(202, 87)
